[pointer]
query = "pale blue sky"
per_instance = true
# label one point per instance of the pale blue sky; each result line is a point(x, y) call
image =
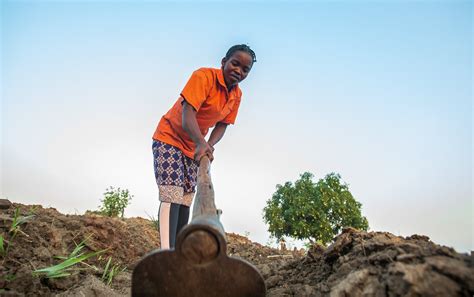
point(379, 91)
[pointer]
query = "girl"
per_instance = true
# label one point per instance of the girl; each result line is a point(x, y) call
point(211, 98)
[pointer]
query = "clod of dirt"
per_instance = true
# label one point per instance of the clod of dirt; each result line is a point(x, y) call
point(5, 204)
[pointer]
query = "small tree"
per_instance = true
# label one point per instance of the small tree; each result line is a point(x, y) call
point(313, 211)
point(115, 201)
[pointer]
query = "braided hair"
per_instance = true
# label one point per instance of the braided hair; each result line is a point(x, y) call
point(241, 47)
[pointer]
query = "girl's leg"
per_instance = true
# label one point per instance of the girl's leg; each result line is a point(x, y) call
point(179, 216)
point(164, 218)
point(173, 217)
point(183, 218)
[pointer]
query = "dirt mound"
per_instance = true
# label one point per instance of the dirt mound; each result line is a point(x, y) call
point(50, 234)
point(241, 247)
point(356, 264)
point(375, 264)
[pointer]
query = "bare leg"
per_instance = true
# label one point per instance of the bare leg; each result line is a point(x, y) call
point(164, 217)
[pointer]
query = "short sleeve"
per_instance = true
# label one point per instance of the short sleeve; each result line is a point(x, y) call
point(230, 118)
point(197, 89)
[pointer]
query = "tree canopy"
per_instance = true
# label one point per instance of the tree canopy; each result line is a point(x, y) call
point(313, 211)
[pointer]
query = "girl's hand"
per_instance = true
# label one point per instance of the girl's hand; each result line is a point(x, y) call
point(203, 149)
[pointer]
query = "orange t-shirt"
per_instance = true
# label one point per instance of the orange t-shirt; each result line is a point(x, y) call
point(207, 93)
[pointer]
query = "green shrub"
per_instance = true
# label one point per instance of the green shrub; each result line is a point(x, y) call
point(115, 201)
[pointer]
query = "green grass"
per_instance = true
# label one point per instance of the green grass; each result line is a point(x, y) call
point(17, 221)
point(154, 221)
point(110, 272)
point(2, 248)
point(10, 277)
point(70, 263)
point(13, 231)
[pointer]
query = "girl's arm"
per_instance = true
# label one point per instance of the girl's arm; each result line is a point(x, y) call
point(191, 127)
point(217, 134)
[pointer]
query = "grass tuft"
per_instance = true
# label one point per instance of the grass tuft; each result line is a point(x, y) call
point(2, 247)
point(69, 265)
point(110, 272)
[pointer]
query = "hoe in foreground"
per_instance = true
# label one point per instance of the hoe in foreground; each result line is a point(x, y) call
point(199, 265)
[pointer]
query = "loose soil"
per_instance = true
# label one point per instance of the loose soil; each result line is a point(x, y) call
point(355, 264)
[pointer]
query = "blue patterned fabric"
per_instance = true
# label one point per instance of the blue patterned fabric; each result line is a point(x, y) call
point(175, 173)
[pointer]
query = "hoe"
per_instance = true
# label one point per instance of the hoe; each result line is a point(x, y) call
point(199, 265)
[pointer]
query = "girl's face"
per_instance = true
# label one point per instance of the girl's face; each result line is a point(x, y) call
point(236, 67)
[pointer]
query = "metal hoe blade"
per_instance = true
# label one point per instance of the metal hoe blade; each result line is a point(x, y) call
point(199, 265)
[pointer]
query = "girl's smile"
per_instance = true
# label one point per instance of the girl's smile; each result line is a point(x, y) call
point(236, 68)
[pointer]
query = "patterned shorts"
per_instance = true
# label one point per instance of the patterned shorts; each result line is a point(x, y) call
point(175, 174)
